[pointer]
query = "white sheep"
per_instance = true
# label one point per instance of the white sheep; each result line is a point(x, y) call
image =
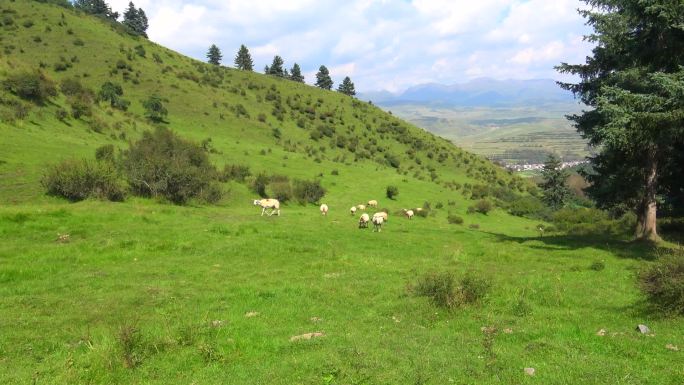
point(363, 221)
point(382, 214)
point(419, 209)
point(377, 222)
point(352, 210)
point(372, 203)
point(408, 213)
point(361, 207)
point(272, 204)
point(324, 209)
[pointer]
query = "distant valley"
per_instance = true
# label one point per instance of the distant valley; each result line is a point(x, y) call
point(512, 121)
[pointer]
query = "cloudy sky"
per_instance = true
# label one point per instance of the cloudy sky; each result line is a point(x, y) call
point(380, 44)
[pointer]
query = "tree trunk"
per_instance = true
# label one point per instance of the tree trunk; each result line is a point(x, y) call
point(647, 210)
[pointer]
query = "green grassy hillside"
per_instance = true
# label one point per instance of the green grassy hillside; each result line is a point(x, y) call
point(239, 111)
point(145, 292)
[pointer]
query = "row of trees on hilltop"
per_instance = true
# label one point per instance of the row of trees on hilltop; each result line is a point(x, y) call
point(243, 61)
point(134, 18)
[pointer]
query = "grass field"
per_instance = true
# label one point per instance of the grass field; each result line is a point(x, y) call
point(145, 292)
point(165, 290)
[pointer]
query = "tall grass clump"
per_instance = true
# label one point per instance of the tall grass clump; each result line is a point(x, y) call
point(444, 291)
point(77, 180)
point(663, 283)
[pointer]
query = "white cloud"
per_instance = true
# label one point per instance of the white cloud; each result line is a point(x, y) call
point(390, 44)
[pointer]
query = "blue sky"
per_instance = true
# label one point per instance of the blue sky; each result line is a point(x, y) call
point(380, 44)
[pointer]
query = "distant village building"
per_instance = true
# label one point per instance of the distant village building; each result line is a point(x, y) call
point(539, 166)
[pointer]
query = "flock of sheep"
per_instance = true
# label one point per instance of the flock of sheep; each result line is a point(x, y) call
point(380, 217)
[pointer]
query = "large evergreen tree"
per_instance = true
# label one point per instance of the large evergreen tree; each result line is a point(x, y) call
point(555, 190)
point(634, 84)
point(135, 20)
point(296, 74)
point(214, 55)
point(243, 60)
point(323, 79)
point(347, 87)
point(276, 68)
point(97, 8)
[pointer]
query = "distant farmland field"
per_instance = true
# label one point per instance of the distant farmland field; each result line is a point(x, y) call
point(508, 134)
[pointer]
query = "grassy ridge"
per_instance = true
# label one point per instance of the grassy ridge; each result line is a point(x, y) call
point(142, 292)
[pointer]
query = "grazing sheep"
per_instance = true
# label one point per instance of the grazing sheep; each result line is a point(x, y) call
point(408, 213)
point(373, 203)
point(382, 214)
point(353, 210)
point(361, 207)
point(363, 221)
point(419, 209)
point(324, 209)
point(272, 204)
point(377, 222)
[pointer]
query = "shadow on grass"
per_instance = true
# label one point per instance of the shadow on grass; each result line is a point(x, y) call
point(636, 250)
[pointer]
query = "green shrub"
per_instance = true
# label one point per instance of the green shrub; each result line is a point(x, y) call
point(236, 172)
point(259, 184)
point(392, 191)
point(473, 289)
point(483, 206)
point(588, 221)
point(33, 86)
point(161, 164)
point(154, 109)
point(105, 153)
point(308, 191)
point(454, 219)
point(663, 283)
point(81, 179)
point(280, 189)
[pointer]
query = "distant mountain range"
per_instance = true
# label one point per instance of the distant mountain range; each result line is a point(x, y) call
point(481, 92)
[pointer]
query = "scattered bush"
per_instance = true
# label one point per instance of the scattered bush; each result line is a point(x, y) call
point(259, 184)
point(392, 191)
point(454, 219)
point(483, 206)
point(474, 226)
point(33, 86)
point(587, 221)
point(154, 109)
point(161, 164)
point(78, 180)
point(236, 172)
point(529, 206)
point(443, 291)
point(308, 191)
point(112, 92)
point(663, 282)
point(105, 153)
point(280, 189)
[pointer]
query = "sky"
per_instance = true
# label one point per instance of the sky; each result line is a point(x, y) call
point(381, 44)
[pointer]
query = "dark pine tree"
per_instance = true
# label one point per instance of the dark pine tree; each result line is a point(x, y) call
point(96, 7)
point(347, 87)
point(276, 68)
point(323, 79)
point(633, 84)
point(135, 20)
point(243, 60)
point(214, 55)
point(296, 74)
point(555, 190)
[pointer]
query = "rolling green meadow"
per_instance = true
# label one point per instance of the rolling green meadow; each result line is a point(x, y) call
point(147, 292)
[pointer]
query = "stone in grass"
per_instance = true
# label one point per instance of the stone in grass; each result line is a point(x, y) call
point(315, 319)
point(529, 371)
point(251, 314)
point(306, 336)
point(643, 329)
point(671, 347)
point(217, 323)
point(601, 332)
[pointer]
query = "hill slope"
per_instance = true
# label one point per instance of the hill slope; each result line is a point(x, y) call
point(268, 123)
